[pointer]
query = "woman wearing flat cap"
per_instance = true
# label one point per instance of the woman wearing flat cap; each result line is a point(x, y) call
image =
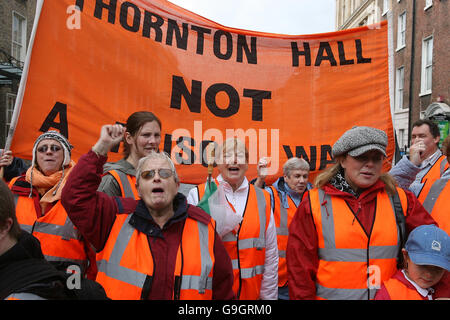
point(347, 232)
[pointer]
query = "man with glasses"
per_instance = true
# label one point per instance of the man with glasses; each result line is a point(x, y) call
point(158, 247)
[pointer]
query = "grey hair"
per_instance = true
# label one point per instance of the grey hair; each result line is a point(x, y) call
point(295, 164)
point(156, 155)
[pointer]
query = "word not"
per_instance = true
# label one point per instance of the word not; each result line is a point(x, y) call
point(131, 18)
point(193, 98)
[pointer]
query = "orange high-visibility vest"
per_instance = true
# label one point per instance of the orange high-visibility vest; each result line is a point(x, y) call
point(60, 240)
point(126, 262)
point(127, 184)
point(398, 291)
point(352, 264)
point(433, 174)
point(283, 217)
point(247, 247)
point(436, 203)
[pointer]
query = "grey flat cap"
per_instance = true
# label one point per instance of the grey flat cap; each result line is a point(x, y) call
point(359, 140)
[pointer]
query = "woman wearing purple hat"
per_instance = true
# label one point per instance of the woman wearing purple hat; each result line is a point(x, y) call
point(347, 233)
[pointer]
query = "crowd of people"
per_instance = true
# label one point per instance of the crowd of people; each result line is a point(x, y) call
point(126, 232)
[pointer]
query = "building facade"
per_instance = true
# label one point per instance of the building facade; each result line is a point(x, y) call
point(16, 23)
point(421, 43)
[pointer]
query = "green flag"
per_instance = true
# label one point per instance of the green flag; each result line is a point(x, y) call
point(203, 203)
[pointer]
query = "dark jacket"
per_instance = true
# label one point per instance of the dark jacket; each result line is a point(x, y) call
point(23, 269)
point(94, 214)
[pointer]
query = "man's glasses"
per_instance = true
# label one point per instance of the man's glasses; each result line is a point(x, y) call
point(53, 148)
point(150, 174)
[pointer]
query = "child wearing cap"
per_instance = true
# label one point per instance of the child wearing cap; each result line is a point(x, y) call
point(426, 264)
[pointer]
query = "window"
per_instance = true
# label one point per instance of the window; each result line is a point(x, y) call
point(399, 84)
point(10, 101)
point(18, 37)
point(385, 7)
point(427, 66)
point(401, 31)
point(428, 3)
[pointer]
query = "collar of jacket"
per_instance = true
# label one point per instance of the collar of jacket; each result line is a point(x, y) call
point(22, 187)
point(283, 191)
point(144, 222)
point(121, 165)
point(367, 195)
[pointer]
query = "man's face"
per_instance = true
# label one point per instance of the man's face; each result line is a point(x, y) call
point(422, 133)
point(297, 180)
point(157, 192)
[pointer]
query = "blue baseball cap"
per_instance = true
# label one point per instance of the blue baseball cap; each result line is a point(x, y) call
point(429, 245)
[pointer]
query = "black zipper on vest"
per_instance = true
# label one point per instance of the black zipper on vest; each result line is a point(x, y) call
point(177, 281)
point(147, 287)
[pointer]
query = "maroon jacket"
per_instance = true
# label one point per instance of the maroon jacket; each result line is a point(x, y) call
point(94, 213)
point(302, 248)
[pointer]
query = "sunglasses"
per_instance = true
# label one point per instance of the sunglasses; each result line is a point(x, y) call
point(53, 148)
point(150, 174)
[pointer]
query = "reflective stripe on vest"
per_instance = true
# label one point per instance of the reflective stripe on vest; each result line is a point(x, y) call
point(127, 184)
point(344, 271)
point(283, 217)
point(436, 203)
point(59, 241)
point(433, 174)
point(114, 272)
point(247, 247)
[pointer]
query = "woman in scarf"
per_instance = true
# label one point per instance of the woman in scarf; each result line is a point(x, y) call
point(39, 210)
point(347, 233)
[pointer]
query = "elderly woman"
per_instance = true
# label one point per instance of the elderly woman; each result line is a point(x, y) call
point(347, 233)
point(38, 206)
point(157, 247)
point(285, 194)
point(252, 244)
point(142, 136)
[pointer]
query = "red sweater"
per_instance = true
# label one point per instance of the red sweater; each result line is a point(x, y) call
point(94, 214)
point(302, 247)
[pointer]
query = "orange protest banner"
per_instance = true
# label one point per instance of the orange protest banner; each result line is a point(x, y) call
point(96, 62)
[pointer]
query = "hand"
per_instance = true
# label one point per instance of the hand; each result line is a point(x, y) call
point(6, 158)
point(416, 152)
point(110, 135)
point(261, 168)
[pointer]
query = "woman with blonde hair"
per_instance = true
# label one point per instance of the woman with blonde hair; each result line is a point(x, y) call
point(347, 233)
